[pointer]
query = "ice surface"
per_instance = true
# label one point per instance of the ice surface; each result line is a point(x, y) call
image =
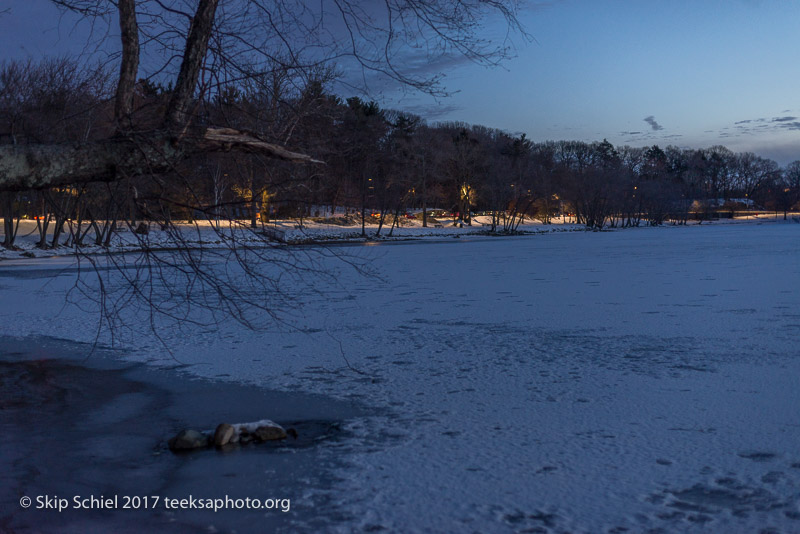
point(584, 382)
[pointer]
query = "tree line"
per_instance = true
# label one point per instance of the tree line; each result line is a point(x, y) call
point(373, 164)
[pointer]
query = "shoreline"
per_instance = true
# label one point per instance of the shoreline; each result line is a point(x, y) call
point(97, 426)
point(466, 233)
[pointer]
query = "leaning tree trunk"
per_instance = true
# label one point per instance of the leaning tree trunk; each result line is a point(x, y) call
point(129, 66)
point(28, 167)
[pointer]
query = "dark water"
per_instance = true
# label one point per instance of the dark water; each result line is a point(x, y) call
point(77, 426)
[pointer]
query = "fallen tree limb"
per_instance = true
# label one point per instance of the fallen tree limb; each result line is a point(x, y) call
point(228, 139)
point(27, 167)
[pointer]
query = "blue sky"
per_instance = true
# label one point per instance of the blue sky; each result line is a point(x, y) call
point(599, 69)
point(689, 73)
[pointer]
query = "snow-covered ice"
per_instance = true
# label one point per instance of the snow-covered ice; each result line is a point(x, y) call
point(644, 379)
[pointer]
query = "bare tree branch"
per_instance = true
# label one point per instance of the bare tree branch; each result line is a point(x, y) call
point(227, 139)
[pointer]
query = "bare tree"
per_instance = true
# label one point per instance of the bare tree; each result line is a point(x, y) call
point(150, 143)
point(464, 165)
point(753, 172)
point(786, 187)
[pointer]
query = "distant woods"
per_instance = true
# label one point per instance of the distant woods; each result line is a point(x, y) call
point(379, 164)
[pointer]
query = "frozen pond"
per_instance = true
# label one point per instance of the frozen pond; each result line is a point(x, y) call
point(644, 379)
point(83, 427)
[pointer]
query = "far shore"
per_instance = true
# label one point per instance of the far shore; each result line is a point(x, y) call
point(201, 235)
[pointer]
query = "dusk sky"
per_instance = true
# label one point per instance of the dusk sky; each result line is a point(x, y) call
point(689, 73)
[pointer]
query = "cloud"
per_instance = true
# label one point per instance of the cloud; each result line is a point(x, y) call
point(762, 125)
point(748, 121)
point(420, 63)
point(416, 64)
point(653, 124)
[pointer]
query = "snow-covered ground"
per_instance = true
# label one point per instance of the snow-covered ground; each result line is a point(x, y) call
point(293, 231)
point(643, 379)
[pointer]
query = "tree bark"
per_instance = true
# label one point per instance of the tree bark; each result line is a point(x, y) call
point(26, 167)
point(178, 111)
point(129, 66)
